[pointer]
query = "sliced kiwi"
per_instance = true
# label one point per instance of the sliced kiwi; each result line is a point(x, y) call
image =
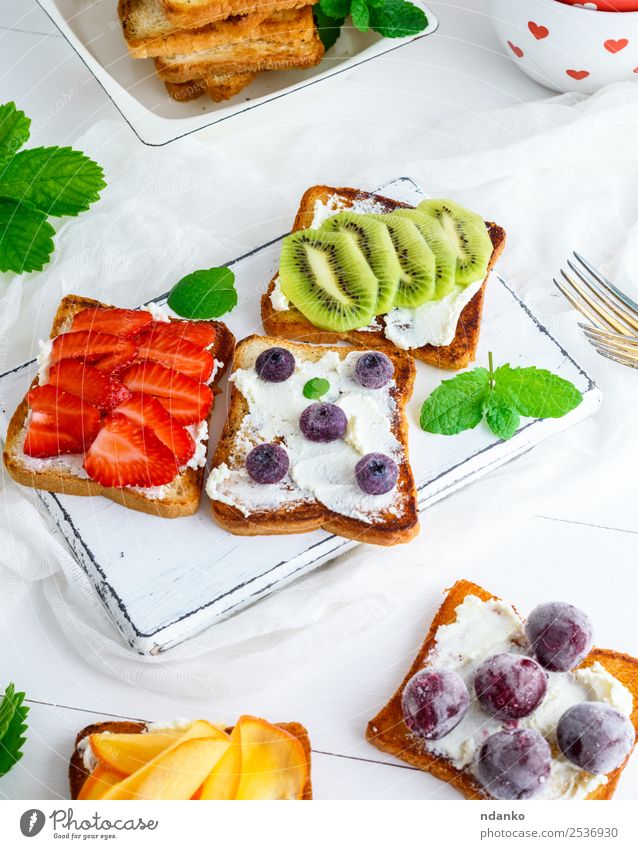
point(416, 281)
point(444, 253)
point(375, 243)
point(468, 235)
point(326, 276)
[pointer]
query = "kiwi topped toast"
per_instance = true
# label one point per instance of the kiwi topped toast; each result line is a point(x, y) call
point(466, 636)
point(433, 259)
point(316, 437)
point(120, 407)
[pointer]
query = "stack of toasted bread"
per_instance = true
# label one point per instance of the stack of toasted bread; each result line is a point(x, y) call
point(217, 47)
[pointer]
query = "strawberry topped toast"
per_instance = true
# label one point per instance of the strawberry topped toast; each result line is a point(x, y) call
point(120, 407)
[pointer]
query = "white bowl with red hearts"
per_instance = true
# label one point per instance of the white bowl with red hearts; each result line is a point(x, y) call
point(568, 48)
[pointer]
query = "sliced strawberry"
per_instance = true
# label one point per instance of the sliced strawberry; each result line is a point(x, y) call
point(147, 411)
point(103, 350)
point(115, 321)
point(60, 423)
point(125, 454)
point(175, 352)
point(88, 383)
point(200, 333)
point(185, 399)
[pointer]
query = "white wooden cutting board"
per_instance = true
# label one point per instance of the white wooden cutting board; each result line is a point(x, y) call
point(163, 581)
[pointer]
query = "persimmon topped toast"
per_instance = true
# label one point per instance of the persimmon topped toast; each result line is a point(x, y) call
point(198, 760)
point(120, 407)
point(316, 437)
point(504, 708)
point(407, 278)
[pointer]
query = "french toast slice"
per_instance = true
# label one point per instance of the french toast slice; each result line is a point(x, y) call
point(181, 497)
point(289, 40)
point(291, 324)
point(387, 528)
point(78, 772)
point(219, 88)
point(388, 732)
point(192, 13)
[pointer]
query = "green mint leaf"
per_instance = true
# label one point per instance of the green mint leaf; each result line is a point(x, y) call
point(337, 9)
point(316, 387)
point(204, 294)
point(328, 28)
point(360, 15)
point(13, 714)
point(457, 404)
point(14, 129)
point(397, 19)
point(56, 180)
point(26, 238)
point(535, 392)
point(501, 418)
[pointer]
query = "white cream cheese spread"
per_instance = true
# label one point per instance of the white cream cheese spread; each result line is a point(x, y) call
point(318, 471)
point(485, 628)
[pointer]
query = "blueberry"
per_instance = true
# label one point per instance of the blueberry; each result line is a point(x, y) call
point(275, 365)
point(434, 701)
point(323, 422)
point(595, 737)
point(373, 370)
point(376, 474)
point(514, 764)
point(509, 685)
point(560, 634)
point(267, 463)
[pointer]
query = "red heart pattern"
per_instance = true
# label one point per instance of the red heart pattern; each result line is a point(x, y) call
point(577, 75)
point(516, 50)
point(615, 45)
point(537, 30)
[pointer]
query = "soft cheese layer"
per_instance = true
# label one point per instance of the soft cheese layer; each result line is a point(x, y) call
point(318, 471)
point(485, 628)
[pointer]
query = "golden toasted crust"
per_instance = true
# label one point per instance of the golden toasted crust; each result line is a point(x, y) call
point(194, 13)
point(291, 324)
point(219, 88)
point(183, 494)
point(78, 773)
point(308, 516)
point(388, 732)
point(289, 40)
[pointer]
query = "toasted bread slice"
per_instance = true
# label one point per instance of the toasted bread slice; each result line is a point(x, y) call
point(194, 13)
point(148, 32)
point(219, 88)
point(291, 324)
point(388, 732)
point(290, 40)
point(78, 772)
point(180, 498)
point(387, 528)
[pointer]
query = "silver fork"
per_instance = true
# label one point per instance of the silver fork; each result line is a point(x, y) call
point(612, 315)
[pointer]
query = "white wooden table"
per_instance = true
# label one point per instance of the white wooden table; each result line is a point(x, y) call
point(464, 69)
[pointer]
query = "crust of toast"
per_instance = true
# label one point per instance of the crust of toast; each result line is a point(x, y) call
point(388, 732)
point(289, 40)
point(194, 13)
point(219, 88)
point(185, 491)
point(78, 773)
point(310, 516)
point(291, 324)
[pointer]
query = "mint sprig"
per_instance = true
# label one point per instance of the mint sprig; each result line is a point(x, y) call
point(35, 184)
point(500, 396)
point(316, 387)
point(13, 714)
point(208, 293)
point(390, 18)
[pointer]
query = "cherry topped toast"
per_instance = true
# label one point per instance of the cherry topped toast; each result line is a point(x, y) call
point(120, 407)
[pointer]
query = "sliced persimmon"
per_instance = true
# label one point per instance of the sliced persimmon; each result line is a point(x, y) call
point(223, 782)
point(274, 764)
point(126, 753)
point(99, 782)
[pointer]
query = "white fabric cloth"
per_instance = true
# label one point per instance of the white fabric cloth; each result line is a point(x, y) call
point(558, 174)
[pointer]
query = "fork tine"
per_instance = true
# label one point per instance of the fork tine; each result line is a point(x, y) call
point(608, 338)
point(592, 305)
point(611, 303)
point(612, 349)
point(582, 309)
point(600, 278)
point(623, 361)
